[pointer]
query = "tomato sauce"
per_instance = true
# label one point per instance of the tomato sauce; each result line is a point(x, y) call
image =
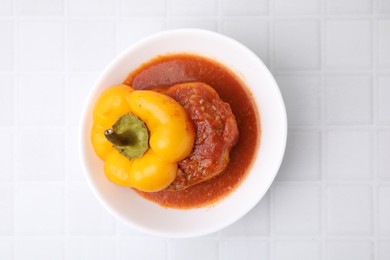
point(165, 71)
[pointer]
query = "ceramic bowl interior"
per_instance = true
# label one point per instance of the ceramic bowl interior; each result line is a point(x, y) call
point(151, 218)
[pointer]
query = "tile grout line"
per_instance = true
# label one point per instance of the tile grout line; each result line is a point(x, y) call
point(323, 145)
point(167, 14)
point(14, 145)
point(116, 25)
point(332, 183)
point(167, 21)
point(67, 123)
point(331, 71)
point(216, 239)
point(302, 17)
point(374, 133)
point(219, 16)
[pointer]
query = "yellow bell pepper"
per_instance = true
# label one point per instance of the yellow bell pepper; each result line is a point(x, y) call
point(171, 137)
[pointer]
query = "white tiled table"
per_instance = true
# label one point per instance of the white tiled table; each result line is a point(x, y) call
point(331, 200)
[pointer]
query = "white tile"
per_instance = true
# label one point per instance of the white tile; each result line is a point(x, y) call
point(297, 250)
point(7, 99)
point(40, 7)
point(383, 250)
point(384, 210)
point(34, 147)
point(348, 44)
point(341, 250)
point(40, 249)
point(142, 249)
point(257, 42)
point(349, 210)
point(125, 39)
point(302, 157)
point(91, 7)
point(80, 84)
point(143, 8)
point(193, 7)
point(383, 155)
point(287, 7)
point(255, 223)
point(41, 45)
point(382, 101)
point(248, 249)
point(302, 96)
point(203, 23)
point(6, 249)
point(7, 45)
point(348, 155)
point(297, 45)
point(91, 44)
point(40, 99)
point(383, 6)
point(245, 7)
point(6, 7)
point(40, 209)
point(91, 248)
point(348, 6)
point(73, 168)
point(348, 99)
point(297, 210)
point(86, 215)
point(6, 154)
point(6, 210)
point(192, 249)
point(383, 43)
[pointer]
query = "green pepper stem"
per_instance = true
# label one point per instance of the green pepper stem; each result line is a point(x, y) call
point(129, 136)
point(117, 139)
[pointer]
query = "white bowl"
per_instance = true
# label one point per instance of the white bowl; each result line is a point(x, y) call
point(151, 218)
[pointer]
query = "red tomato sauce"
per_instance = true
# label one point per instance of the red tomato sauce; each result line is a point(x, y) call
point(165, 71)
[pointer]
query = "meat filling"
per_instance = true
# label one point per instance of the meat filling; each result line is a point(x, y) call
point(216, 133)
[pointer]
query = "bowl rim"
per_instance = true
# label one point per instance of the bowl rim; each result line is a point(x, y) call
point(108, 69)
